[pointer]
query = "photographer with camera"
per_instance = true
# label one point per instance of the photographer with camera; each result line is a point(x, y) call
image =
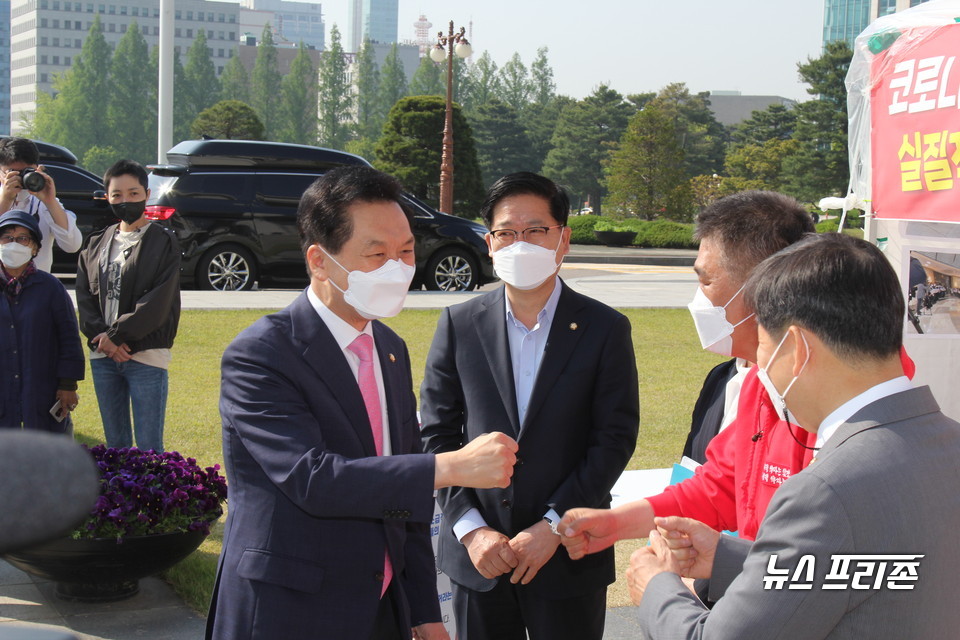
point(27, 187)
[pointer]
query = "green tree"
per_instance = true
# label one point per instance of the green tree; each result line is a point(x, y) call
point(229, 120)
point(701, 137)
point(776, 122)
point(585, 133)
point(429, 79)
point(234, 81)
point(334, 94)
point(411, 148)
point(131, 117)
point(77, 116)
point(646, 175)
point(265, 84)
point(369, 124)
point(539, 122)
point(515, 87)
point(762, 163)
point(820, 167)
point(502, 143)
point(99, 159)
point(202, 88)
point(484, 81)
point(393, 83)
point(542, 87)
point(181, 106)
point(299, 109)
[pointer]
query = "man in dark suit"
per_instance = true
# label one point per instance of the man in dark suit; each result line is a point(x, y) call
point(861, 543)
point(555, 370)
point(330, 494)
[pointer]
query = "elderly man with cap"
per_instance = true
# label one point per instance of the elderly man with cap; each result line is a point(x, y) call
point(42, 357)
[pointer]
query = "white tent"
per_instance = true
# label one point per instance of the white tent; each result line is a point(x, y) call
point(904, 109)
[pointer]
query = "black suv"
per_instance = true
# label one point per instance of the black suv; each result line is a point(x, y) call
point(77, 191)
point(233, 205)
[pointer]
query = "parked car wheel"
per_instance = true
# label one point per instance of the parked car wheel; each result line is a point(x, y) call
point(227, 268)
point(451, 269)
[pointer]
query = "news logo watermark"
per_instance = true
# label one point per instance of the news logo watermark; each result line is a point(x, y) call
point(847, 571)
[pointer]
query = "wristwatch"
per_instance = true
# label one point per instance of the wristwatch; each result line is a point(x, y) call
point(553, 524)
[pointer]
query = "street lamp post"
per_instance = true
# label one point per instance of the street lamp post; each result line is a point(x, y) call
point(447, 45)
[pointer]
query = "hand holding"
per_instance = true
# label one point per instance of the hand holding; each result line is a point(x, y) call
point(584, 531)
point(490, 552)
point(534, 546)
point(692, 544)
point(68, 401)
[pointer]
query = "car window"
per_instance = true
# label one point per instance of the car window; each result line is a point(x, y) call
point(69, 181)
point(283, 189)
point(416, 208)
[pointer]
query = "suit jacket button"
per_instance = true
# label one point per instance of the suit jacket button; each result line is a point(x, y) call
point(378, 576)
point(519, 461)
point(505, 503)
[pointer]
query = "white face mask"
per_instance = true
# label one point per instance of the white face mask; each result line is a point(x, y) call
point(779, 401)
point(525, 266)
point(715, 331)
point(15, 255)
point(379, 293)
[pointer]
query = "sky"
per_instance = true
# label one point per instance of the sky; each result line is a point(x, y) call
point(634, 46)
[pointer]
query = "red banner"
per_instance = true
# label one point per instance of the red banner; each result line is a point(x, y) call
point(915, 120)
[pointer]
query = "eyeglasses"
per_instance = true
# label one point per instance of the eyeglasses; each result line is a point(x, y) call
point(533, 235)
point(24, 240)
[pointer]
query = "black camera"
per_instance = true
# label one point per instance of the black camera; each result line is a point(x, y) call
point(32, 180)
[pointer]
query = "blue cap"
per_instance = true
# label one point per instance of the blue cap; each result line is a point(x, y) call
point(19, 218)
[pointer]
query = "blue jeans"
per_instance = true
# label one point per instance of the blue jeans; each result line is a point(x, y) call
point(120, 384)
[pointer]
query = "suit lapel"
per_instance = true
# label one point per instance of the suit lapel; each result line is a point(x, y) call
point(565, 331)
point(491, 326)
point(324, 357)
point(392, 384)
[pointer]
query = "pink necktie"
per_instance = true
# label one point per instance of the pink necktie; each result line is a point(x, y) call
point(362, 347)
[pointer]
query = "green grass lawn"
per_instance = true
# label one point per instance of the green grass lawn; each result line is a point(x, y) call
point(670, 361)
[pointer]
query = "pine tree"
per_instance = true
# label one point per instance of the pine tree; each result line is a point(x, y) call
point(646, 176)
point(484, 81)
point(515, 88)
point(334, 95)
point(234, 81)
point(299, 111)
point(542, 87)
point(393, 83)
point(230, 120)
point(429, 79)
point(202, 87)
point(502, 144)
point(411, 149)
point(131, 117)
point(77, 116)
point(701, 137)
point(369, 124)
point(585, 134)
point(265, 84)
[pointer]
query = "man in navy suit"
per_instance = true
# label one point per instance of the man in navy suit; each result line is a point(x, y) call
point(330, 494)
point(556, 371)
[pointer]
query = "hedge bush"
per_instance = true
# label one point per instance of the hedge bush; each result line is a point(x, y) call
point(664, 234)
point(581, 229)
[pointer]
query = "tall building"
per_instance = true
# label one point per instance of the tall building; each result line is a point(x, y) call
point(4, 67)
point(373, 19)
point(46, 35)
point(291, 22)
point(845, 19)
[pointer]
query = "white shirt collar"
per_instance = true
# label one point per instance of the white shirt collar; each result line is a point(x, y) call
point(343, 332)
point(847, 410)
point(548, 309)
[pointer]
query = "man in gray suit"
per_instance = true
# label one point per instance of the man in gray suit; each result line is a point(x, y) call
point(862, 543)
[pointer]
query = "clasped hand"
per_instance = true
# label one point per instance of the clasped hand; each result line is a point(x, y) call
point(494, 554)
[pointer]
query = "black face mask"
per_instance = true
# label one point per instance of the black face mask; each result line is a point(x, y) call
point(129, 212)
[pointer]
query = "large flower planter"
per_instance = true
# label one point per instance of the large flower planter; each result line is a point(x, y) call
point(615, 238)
point(102, 569)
